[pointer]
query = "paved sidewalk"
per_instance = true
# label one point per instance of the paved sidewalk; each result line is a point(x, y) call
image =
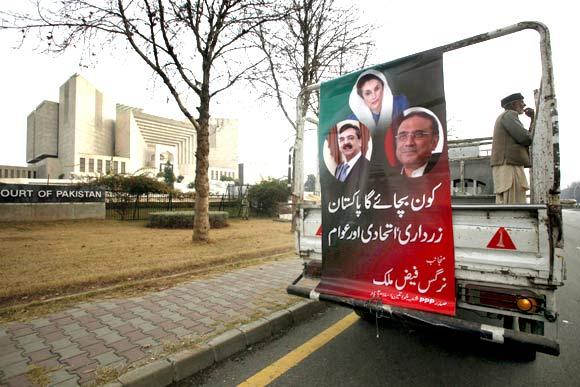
point(80, 345)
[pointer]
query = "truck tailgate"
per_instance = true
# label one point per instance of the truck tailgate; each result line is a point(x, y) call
point(501, 241)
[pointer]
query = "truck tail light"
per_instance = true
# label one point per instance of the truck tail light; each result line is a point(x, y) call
point(516, 300)
point(527, 304)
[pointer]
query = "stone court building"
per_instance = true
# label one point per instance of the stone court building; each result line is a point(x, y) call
point(87, 133)
point(15, 172)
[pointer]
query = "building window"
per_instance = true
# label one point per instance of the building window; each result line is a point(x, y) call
point(116, 167)
point(122, 167)
point(66, 102)
point(34, 174)
point(108, 167)
point(213, 135)
point(98, 110)
point(12, 173)
point(100, 166)
point(28, 174)
point(91, 165)
point(82, 165)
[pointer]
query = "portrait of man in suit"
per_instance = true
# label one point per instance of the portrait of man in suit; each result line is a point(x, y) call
point(417, 137)
point(354, 163)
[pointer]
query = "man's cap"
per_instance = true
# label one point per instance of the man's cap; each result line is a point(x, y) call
point(511, 98)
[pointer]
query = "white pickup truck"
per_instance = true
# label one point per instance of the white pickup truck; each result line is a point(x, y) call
point(506, 296)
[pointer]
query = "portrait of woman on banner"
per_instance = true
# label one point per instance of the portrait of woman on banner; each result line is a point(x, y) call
point(373, 104)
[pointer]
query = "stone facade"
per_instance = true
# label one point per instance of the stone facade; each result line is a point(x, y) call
point(12, 172)
point(87, 133)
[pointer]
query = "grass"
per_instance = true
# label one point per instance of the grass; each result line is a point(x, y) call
point(50, 259)
point(38, 376)
point(108, 374)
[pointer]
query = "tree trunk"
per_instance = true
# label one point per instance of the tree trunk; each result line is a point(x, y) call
point(298, 170)
point(136, 207)
point(201, 222)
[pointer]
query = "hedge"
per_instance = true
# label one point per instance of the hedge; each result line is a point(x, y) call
point(184, 219)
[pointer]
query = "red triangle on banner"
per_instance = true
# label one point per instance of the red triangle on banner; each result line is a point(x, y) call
point(319, 231)
point(501, 240)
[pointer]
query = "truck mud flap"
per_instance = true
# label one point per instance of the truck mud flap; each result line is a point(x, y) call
point(482, 331)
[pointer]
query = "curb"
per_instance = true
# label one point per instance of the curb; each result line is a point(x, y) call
point(184, 364)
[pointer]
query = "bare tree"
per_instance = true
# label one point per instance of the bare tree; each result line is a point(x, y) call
point(196, 47)
point(316, 40)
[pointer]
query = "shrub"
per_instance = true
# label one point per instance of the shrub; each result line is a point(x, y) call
point(310, 184)
point(184, 219)
point(125, 190)
point(168, 175)
point(134, 185)
point(266, 195)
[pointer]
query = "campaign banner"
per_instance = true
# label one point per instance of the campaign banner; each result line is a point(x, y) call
point(28, 193)
point(387, 232)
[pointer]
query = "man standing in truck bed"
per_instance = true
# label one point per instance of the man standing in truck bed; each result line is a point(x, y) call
point(510, 151)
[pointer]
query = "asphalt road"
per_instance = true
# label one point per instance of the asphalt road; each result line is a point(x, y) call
point(403, 356)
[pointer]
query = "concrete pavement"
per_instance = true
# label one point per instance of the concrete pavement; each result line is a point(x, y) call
point(156, 338)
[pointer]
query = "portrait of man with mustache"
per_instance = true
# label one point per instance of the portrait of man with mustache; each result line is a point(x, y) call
point(354, 164)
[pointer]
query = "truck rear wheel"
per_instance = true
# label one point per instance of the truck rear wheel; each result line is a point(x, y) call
point(366, 315)
point(522, 352)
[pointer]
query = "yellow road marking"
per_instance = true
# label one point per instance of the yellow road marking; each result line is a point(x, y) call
point(275, 370)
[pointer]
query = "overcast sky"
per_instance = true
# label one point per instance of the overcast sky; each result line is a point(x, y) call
point(475, 79)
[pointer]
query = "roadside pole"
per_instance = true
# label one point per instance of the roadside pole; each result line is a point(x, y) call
point(298, 162)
